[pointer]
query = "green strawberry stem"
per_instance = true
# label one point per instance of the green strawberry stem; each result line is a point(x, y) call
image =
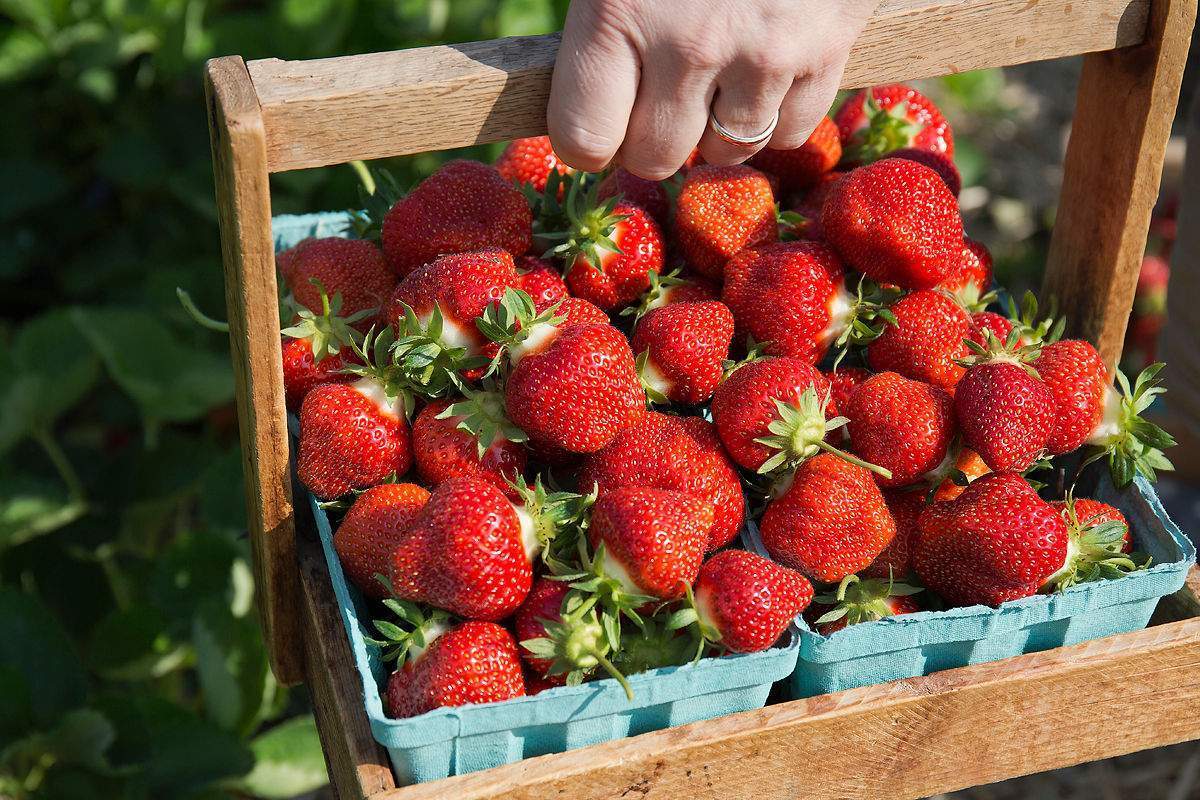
point(1094, 552)
point(328, 332)
point(653, 297)
point(866, 319)
point(415, 629)
point(798, 434)
point(198, 316)
point(514, 321)
point(859, 600)
point(842, 454)
point(591, 224)
point(615, 674)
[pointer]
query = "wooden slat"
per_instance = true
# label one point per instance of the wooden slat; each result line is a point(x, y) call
point(905, 739)
point(1123, 115)
point(251, 297)
point(358, 766)
point(330, 111)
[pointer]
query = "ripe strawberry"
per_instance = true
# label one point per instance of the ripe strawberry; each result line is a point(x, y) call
point(985, 322)
point(802, 168)
point(302, 371)
point(843, 381)
point(857, 601)
point(1149, 309)
point(805, 216)
point(830, 522)
point(352, 268)
point(609, 249)
point(997, 542)
point(963, 467)
point(1099, 543)
point(682, 349)
point(530, 161)
point(475, 662)
point(882, 119)
point(463, 206)
point(540, 280)
point(721, 210)
point(788, 296)
point(682, 454)
point(896, 222)
point(641, 192)
point(1004, 410)
point(972, 279)
point(928, 336)
point(902, 425)
point(542, 605)
point(672, 288)
point(940, 163)
point(370, 531)
point(467, 551)
point(446, 444)
point(651, 541)
point(572, 386)
point(317, 346)
point(745, 602)
point(895, 562)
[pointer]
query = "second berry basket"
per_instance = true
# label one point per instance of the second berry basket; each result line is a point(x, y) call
point(458, 740)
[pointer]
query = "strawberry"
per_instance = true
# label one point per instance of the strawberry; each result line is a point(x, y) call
point(895, 562)
point(882, 119)
point(896, 222)
point(542, 605)
point(745, 602)
point(926, 340)
point(1099, 543)
point(1004, 410)
point(371, 530)
point(540, 280)
point(843, 381)
point(802, 168)
point(857, 601)
point(475, 662)
point(448, 445)
point(985, 322)
point(970, 282)
point(672, 288)
point(1149, 309)
point(642, 192)
point(902, 425)
point(790, 297)
point(650, 541)
point(940, 163)
point(1089, 410)
point(303, 371)
point(804, 220)
point(682, 349)
point(997, 542)
point(721, 210)
point(530, 161)
point(317, 346)
point(464, 206)
point(609, 249)
point(352, 268)
point(829, 522)
point(680, 454)
point(571, 386)
point(962, 467)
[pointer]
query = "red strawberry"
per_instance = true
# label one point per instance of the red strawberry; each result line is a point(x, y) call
point(680, 454)
point(857, 601)
point(610, 249)
point(541, 281)
point(446, 447)
point(896, 222)
point(467, 552)
point(370, 531)
point(997, 542)
point(642, 192)
point(808, 226)
point(1149, 308)
point(985, 322)
point(928, 336)
point(788, 296)
point(843, 382)
point(721, 210)
point(653, 539)
point(802, 168)
point(1083, 513)
point(1099, 543)
point(302, 371)
point(542, 605)
point(940, 163)
point(895, 562)
point(902, 425)
point(463, 206)
point(352, 268)
point(672, 288)
point(745, 602)
point(682, 349)
point(475, 662)
point(882, 119)
point(965, 467)
point(830, 522)
point(317, 347)
point(972, 279)
point(530, 161)
point(352, 436)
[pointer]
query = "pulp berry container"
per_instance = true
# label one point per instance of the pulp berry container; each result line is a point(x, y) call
point(453, 741)
point(909, 645)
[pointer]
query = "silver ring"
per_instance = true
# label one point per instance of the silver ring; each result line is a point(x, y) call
point(746, 141)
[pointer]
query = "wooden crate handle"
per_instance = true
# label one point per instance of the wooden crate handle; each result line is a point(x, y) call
point(272, 116)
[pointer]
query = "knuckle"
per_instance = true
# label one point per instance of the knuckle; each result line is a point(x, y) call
point(699, 49)
point(582, 145)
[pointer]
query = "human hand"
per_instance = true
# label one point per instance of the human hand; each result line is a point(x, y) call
point(635, 79)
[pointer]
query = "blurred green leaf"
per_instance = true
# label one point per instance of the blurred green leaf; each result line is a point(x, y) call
point(287, 761)
point(525, 17)
point(231, 663)
point(34, 646)
point(21, 52)
point(194, 569)
point(29, 185)
point(82, 738)
point(31, 507)
point(133, 644)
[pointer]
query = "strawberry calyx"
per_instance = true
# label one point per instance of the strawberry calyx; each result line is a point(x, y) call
point(550, 213)
point(578, 642)
point(551, 521)
point(327, 332)
point(654, 383)
point(1132, 444)
point(859, 320)
point(886, 130)
point(591, 225)
point(382, 379)
point(427, 358)
point(654, 645)
point(482, 415)
point(995, 351)
point(415, 629)
point(378, 191)
point(515, 324)
point(1029, 327)
point(857, 600)
point(799, 432)
point(656, 295)
point(601, 575)
point(1094, 552)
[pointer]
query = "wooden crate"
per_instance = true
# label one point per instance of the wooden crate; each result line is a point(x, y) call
point(903, 739)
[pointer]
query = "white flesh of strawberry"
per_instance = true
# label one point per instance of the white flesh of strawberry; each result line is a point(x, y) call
point(943, 468)
point(370, 389)
point(539, 338)
point(432, 631)
point(1110, 420)
point(655, 379)
point(841, 309)
point(528, 532)
point(1072, 551)
point(616, 570)
point(704, 611)
point(453, 334)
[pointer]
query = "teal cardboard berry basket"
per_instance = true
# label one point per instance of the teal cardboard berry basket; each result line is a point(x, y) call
point(929, 641)
point(454, 741)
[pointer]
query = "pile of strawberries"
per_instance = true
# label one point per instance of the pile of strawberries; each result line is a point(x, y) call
point(547, 399)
